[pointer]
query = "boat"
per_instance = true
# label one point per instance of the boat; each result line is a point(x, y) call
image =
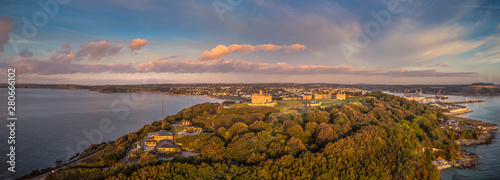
point(440, 96)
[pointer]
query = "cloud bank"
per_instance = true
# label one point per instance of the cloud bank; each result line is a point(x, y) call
point(221, 50)
point(52, 67)
point(44, 67)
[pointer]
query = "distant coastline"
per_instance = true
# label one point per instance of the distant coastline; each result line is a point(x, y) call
point(474, 89)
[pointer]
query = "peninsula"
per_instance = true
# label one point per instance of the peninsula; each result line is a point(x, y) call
point(375, 135)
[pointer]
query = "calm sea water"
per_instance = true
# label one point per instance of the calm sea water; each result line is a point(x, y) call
point(490, 168)
point(50, 121)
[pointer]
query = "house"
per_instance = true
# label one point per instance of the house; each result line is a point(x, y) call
point(167, 145)
point(150, 142)
point(162, 141)
point(451, 123)
point(193, 129)
point(157, 136)
point(169, 148)
point(185, 122)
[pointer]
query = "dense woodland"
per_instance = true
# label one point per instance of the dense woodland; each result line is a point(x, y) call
point(381, 137)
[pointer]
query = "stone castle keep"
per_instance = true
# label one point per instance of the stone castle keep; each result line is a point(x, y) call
point(262, 99)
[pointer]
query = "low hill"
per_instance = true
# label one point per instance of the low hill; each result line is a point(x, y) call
point(377, 136)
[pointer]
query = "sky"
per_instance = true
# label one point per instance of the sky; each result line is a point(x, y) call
point(97, 42)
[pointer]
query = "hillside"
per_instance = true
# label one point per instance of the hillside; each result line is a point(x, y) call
point(375, 136)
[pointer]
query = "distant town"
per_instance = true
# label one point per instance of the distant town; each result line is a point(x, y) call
point(243, 92)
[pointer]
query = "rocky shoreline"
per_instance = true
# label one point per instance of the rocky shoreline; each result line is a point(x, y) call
point(467, 160)
point(485, 138)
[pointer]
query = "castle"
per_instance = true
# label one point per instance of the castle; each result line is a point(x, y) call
point(262, 99)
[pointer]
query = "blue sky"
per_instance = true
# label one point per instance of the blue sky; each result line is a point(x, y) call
point(129, 42)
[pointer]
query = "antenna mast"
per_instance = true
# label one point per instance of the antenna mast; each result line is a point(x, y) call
point(162, 108)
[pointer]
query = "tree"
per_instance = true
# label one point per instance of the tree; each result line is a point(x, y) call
point(295, 131)
point(238, 128)
point(324, 134)
point(319, 117)
point(223, 133)
point(147, 159)
point(258, 126)
point(295, 146)
point(214, 149)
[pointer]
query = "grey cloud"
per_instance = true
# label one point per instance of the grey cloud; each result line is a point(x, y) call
point(26, 53)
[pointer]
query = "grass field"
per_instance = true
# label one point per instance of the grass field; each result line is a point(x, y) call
point(177, 129)
point(291, 106)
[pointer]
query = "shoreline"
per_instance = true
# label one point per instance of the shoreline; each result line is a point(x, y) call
point(152, 92)
point(215, 97)
point(469, 160)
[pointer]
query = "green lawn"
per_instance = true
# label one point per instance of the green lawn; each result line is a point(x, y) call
point(290, 106)
point(177, 129)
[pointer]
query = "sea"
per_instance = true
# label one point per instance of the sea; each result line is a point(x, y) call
point(54, 124)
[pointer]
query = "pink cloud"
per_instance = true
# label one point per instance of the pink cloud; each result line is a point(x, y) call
point(137, 44)
point(221, 50)
point(66, 46)
point(6, 26)
point(68, 57)
point(97, 50)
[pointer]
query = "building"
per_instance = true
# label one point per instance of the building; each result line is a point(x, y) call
point(185, 122)
point(162, 141)
point(150, 142)
point(168, 146)
point(261, 98)
point(314, 103)
point(415, 98)
point(157, 136)
point(452, 123)
point(339, 96)
point(457, 109)
point(322, 96)
point(193, 129)
point(291, 98)
point(307, 96)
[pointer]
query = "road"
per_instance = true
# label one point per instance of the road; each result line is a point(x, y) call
point(43, 176)
point(124, 161)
